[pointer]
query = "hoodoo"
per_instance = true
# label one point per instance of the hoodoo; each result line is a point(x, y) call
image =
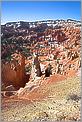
point(36, 69)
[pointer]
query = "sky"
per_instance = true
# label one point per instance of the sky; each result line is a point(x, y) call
point(12, 11)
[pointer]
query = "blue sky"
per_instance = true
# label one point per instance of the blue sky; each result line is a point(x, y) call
point(33, 11)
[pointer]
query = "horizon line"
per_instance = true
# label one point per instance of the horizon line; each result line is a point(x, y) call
point(38, 20)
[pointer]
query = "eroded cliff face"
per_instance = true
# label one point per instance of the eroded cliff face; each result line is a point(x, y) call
point(14, 73)
point(59, 35)
point(58, 46)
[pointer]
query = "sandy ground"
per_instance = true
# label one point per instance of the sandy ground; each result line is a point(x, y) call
point(61, 103)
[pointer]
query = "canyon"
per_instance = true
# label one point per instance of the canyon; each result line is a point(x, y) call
point(36, 57)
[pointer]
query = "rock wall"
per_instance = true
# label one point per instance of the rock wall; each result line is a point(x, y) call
point(14, 74)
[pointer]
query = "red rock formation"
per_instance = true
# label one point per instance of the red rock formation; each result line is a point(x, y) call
point(59, 35)
point(17, 76)
point(36, 69)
